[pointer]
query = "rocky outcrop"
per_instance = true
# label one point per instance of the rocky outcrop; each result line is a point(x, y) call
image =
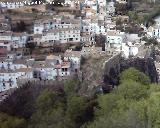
point(145, 65)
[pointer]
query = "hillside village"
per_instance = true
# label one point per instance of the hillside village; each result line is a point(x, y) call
point(40, 43)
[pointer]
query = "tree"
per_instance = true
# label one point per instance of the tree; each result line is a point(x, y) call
point(126, 106)
point(71, 87)
point(106, 104)
point(76, 111)
point(132, 90)
point(134, 75)
point(7, 121)
point(153, 110)
point(31, 46)
point(21, 26)
point(50, 110)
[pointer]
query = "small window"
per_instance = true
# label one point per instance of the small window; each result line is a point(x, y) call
point(4, 85)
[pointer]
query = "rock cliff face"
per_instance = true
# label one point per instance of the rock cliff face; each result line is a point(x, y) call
point(145, 65)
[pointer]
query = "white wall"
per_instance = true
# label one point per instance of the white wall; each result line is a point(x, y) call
point(11, 5)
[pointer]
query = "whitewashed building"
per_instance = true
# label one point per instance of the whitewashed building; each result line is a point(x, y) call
point(59, 29)
point(115, 39)
point(14, 4)
point(130, 49)
point(17, 40)
point(12, 70)
point(110, 8)
point(6, 45)
point(75, 58)
point(93, 27)
point(51, 69)
point(154, 32)
point(9, 78)
point(121, 1)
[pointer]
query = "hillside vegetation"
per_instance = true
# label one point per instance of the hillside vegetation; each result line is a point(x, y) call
point(134, 103)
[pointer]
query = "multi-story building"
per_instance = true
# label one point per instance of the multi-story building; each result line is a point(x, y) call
point(154, 32)
point(93, 27)
point(110, 8)
point(6, 45)
point(63, 35)
point(115, 39)
point(59, 29)
point(11, 70)
point(75, 58)
point(9, 78)
point(17, 40)
point(51, 69)
point(13, 4)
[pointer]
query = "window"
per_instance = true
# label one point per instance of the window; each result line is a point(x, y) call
point(4, 85)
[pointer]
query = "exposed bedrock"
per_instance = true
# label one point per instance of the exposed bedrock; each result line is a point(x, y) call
point(116, 66)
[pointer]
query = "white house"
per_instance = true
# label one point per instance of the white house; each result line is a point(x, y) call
point(63, 68)
point(12, 70)
point(61, 35)
point(157, 20)
point(13, 4)
point(9, 78)
point(50, 69)
point(92, 4)
point(121, 1)
point(59, 29)
point(115, 39)
point(110, 8)
point(129, 49)
point(18, 40)
point(102, 3)
point(93, 27)
point(87, 38)
point(154, 32)
point(44, 71)
point(58, 22)
point(6, 36)
point(75, 58)
point(5, 44)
